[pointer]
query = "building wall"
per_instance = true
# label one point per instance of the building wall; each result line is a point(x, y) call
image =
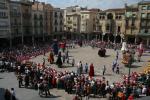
point(48, 15)
point(73, 23)
point(132, 21)
point(144, 13)
point(26, 9)
point(71, 11)
point(38, 19)
point(114, 25)
point(58, 20)
point(87, 21)
point(15, 19)
point(4, 19)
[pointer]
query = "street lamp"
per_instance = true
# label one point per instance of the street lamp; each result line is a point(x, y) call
point(115, 35)
point(130, 60)
point(103, 36)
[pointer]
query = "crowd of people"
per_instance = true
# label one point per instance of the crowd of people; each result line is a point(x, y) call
point(9, 94)
point(45, 78)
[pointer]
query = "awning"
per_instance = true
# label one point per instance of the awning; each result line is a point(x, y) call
point(144, 34)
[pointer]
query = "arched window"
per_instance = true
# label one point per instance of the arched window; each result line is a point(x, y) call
point(119, 17)
point(110, 16)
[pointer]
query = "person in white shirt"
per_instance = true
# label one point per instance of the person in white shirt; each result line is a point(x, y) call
point(13, 94)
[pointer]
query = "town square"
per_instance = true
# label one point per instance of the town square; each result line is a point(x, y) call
point(74, 50)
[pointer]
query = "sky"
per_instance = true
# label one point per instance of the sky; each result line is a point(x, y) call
point(102, 4)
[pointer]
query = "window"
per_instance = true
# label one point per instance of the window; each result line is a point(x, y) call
point(143, 15)
point(61, 22)
point(41, 24)
point(100, 28)
point(143, 23)
point(35, 16)
point(61, 29)
point(148, 8)
point(56, 22)
point(35, 24)
point(61, 16)
point(41, 31)
point(144, 8)
point(55, 14)
point(41, 17)
point(146, 31)
point(103, 17)
point(148, 23)
point(116, 17)
point(118, 29)
point(15, 21)
point(74, 24)
point(133, 23)
point(110, 16)
point(120, 17)
point(68, 18)
point(2, 14)
point(74, 18)
point(82, 16)
point(100, 17)
point(74, 29)
point(148, 15)
point(55, 29)
point(107, 27)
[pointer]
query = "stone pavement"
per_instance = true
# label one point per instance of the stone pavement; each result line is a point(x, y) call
point(85, 54)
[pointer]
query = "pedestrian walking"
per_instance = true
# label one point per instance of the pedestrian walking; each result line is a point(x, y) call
point(117, 70)
point(73, 62)
point(20, 79)
point(63, 58)
point(117, 55)
point(86, 68)
point(7, 95)
point(13, 94)
point(114, 66)
point(104, 70)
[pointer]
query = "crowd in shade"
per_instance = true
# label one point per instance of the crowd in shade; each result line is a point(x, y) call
point(44, 78)
point(25, 53)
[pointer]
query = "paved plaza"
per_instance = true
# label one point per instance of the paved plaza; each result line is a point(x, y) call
point(84, 54)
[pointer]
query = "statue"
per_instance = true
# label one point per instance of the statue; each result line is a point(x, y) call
point(127, 56)
point(140, 51)
point(102, 52)
point(124, 47)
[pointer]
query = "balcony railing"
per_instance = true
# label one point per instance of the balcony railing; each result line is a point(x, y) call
point(26, 15)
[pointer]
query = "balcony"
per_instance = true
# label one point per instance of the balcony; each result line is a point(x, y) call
point(3, 7)
point(3, 17)
point(69, 22)
point(26, 15)
point(4, 33)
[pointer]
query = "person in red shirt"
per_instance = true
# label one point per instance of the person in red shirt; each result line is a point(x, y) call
point(131, 97)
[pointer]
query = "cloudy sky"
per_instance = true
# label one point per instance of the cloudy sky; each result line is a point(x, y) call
point(102, 4)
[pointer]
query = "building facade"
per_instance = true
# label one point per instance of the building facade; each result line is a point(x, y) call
point(15, 19)
point(26, 13)
point(37, 21)
point(73, 23)
point(111, 24)
point(4, 19)
point(58, 20)
point(70, 12)
point(87, 23)
point(48, 19)
point(144, 13)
